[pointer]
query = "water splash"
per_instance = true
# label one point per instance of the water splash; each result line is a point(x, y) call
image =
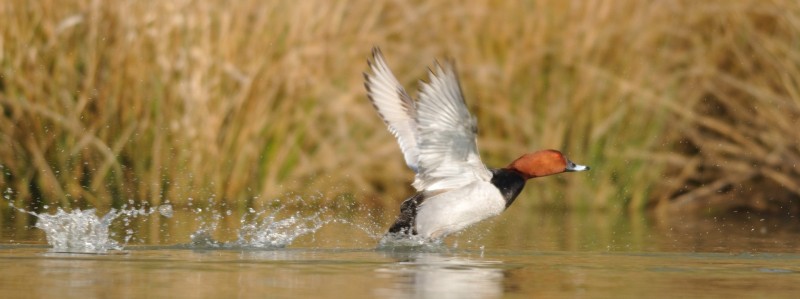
point(271, 228)
point(202, 238)
point(399, 241)
point(271, 232)
point(373, 230)
point(83, 231)
point(78, 231)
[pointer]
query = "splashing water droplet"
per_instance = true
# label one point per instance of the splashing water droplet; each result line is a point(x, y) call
point(165, 210)
point(78, 231)
point(203, 239)
point(83, 231)
point(272, 232)
point(393, 241)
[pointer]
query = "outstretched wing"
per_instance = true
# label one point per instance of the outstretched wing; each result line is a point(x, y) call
point(394, 105)
point(448, 151)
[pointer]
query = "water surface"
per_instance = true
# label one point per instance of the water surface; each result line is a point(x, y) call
point(548, 254)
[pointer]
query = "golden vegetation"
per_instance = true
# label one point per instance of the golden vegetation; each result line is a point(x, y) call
point(676, 103)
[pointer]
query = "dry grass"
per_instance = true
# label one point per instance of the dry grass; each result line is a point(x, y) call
point(668, 101)
point(736, 141)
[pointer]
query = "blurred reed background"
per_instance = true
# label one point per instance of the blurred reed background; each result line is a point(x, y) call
point(676, 105)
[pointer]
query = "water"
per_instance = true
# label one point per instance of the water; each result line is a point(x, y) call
point(78, 231)
point(276, 253)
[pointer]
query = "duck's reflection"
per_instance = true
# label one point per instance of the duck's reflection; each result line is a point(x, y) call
point(435, 275)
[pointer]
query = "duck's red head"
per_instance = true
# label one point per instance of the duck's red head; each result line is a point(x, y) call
point(544, 163)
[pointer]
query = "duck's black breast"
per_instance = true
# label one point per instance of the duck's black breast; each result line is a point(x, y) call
point(509, 182)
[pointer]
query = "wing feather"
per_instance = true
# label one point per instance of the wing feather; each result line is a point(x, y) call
point(448, 151)
point(395, 107)
point(437, 134)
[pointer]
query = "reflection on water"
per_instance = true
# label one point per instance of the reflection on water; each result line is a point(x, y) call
point(348, 273)
point(434, 275)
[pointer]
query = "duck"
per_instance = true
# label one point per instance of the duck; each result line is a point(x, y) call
point(437, 136)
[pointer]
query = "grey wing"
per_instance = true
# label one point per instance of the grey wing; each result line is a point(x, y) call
point(394, 106)
point(448, 150)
